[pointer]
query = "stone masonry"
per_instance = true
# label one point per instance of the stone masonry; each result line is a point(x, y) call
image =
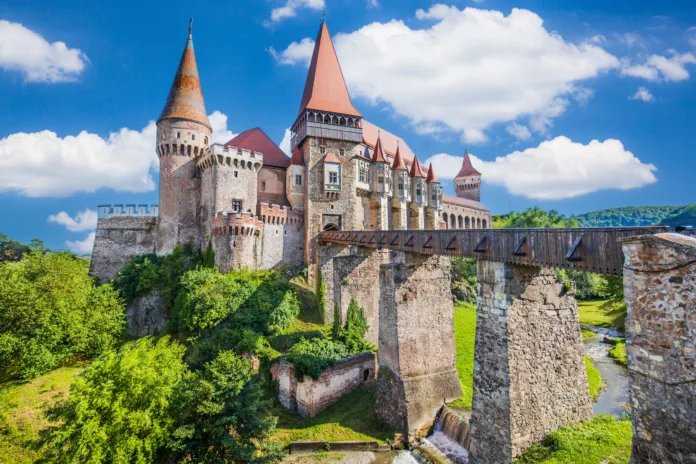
point(660, 291)
point(529, 372)
point(416, 342)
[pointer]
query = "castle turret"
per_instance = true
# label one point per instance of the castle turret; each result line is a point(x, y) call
point(183, 135)
point(419, 196)
point(381, 188)
point(467, 184)
point(434, 200)
point(295, 183)
point(401, 196)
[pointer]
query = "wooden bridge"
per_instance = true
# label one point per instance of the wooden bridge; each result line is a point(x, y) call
point(583, 249)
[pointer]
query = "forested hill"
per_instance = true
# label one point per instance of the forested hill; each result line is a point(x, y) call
point(629, 216)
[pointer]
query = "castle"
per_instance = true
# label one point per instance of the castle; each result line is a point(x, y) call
point(261, 209)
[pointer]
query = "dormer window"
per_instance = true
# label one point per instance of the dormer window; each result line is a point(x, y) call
point(298, 179)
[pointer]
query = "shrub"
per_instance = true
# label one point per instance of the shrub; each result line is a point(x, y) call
point(119, 408)
point(336, 327)
point(464, 280)
point(353, 336)
point(51, 311)
point(310, 357)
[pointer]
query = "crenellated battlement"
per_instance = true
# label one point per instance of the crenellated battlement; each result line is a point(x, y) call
point(280, 215)
point(235, 224)
point(109, 211)
point(218, 154)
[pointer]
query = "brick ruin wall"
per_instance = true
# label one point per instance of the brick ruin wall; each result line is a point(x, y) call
point(660, 291)
point(530, 372)
point(117, 239)
point(310, 396)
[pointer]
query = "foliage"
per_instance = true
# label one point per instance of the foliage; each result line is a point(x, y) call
point(336, 327)
point(534, 218)
point(627, 216)
point(603, 313)
point(594, 379)
point(464, 280)
point(589, 285)
point(144, 273)
point(209, 256)
point(353, 335)
point(119, 408)
point(603, 439)
point(320, 290)
point(51, 311)
point(464, 338)
point(684, 216)
point(618, 352)
point(222, 417)
point(310, 357)
point(11, 250)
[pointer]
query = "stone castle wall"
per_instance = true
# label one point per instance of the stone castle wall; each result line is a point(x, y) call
point(271, 186)
point(660, 291)
point(474, 216)
point(117, 239)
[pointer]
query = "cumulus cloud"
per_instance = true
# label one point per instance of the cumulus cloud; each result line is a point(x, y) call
point(642, 94)
point(464, 70)
point(285, 143)
point(24, 50)
point(81, 247)
point(289, 9)
point(661, 68)
point(42, 164)
point(519, 131)
point(557, 169)
point(84, 220)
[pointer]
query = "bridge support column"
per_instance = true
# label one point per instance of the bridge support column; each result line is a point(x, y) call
point(529, 371)
point(660, 291)
point(417, 373)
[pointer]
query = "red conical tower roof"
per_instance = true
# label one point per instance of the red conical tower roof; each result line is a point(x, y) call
point(378, 155)
point(296, 159)
point(325, 88)
point(185, 100)
point(416, 170)
point(431, 179)
point(398, 164)
point(467, 168)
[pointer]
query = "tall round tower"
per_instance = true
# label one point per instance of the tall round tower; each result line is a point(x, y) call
point(183, 135)
point(467, 184)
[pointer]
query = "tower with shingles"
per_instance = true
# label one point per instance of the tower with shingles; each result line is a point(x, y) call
point(467, 184)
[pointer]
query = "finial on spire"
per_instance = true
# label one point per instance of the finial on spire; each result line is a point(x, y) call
point(190, 25)
point(379, 133)
point(323, 16)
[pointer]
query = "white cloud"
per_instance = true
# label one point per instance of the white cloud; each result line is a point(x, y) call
point(631, 39)
point(81, 247)
point(24, 50)
point(42, 164)
point(690, 36)
point(642, 94)
point(372, 3)
point(218, 122)
point(519, 131)
point(557, 169)
point(285, 143)
point(289, 9)
point(84, 220)
point(660, 68)
point(464, 70)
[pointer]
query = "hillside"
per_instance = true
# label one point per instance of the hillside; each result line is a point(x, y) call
point(630, 216)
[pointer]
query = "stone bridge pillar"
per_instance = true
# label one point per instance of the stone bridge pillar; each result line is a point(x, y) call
point(660, 291)
point(529, 371)
point(417, 372)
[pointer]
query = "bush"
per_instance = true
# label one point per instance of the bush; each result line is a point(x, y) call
point(51, 312)
point(464, 280)
point(353, 335)
point(119, 408)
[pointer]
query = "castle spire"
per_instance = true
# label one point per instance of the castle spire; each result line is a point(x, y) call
point(467, 168)
point(398, 164)
point(431, 179)
point(325, 88)
point(185, 100)
point(378, 155)
point(416, 170)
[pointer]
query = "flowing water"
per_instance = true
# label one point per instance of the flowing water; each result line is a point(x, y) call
point(447, 444)
point(614, 398)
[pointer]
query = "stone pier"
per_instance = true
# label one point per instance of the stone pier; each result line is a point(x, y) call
point(529, 371)
point(660, 291)
point(417, 371)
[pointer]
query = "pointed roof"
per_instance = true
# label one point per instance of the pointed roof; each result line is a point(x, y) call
point(467, 168)
point(332, 158)
point(297, 159)
point(398, 164)
point(389, 141)
point(185, 100)
point(416, 170)
point(325, 88)
point(256, 140)
point(431, 179)
point(378, 155)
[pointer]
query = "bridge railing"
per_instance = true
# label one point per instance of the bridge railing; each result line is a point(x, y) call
point(584, 249)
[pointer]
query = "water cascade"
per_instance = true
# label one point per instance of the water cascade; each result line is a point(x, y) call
point(447, 444)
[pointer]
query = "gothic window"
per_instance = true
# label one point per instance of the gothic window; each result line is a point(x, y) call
point(298, 179)
point(333, 178)
point(236, 206)
point(322, 149)
point(364, 173)
point(205, 140)
point(178, 135)
point(381, 179)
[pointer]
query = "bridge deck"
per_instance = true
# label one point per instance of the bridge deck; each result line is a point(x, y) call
point(584, 249)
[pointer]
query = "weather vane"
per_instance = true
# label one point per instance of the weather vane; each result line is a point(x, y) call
point(190, 24)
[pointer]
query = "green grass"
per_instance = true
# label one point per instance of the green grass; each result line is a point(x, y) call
point(603, 313)
point(594, 379)
point(587, 334)
point(601, 440)
point(618, 352)
point(465, 337)
point(21, 417)
point(315, 458)
point(351, 418)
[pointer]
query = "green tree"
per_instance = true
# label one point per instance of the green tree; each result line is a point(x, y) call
point(534, 218)
point(464, 279)
point(222, 415)
point(336, 329)
point(209, 256)
point(11, 250)
point(356, 327)
point(52, 312)
point(120, 407)
point(321, 291)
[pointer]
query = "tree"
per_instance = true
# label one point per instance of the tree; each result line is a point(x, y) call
point(209, 256)
point(11, 250)
point(356, 327)
point(534, 218)
point(119, 408)
point(336, 329)
point(222, 416)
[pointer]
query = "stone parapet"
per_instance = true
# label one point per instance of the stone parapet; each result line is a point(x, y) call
point(109, 211)
point(276, 214)
point(235, 224)
point(230, 156)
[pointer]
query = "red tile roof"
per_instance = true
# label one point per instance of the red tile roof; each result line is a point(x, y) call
point(332, 158)
point(185, 100)
point(416, 170)
point(467, 167)
point(431, 179)
point(297, 159)
point(256, 140)
point(456, 201)
point(389, 141)
point(325, 88)
point(378, 155)
point(398, 164)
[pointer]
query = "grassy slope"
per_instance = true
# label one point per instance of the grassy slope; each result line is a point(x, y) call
point(594, 379)
point(465, 336)
point(21, 418)
point(603, 313)
point(618, 352)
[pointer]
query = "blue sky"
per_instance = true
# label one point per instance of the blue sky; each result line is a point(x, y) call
point(525, 91)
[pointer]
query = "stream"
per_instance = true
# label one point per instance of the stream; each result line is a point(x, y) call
point(614, 398)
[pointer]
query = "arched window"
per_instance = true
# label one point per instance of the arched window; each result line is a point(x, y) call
point(444, 218)
point(478, 223)
point(460, 222)
point(205, 140)
point(485, 224)
point(453, 221)
point(467, 223)
point(182, 149)
point(188, 150)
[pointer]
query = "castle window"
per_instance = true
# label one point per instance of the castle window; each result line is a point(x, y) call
point(322, 149)
point(236, 173)
point(178, 135)
point(263, 185)
point(188, 150)
point(298, 179)
point(333, 178)
point(342, 151)
point(381, 179)
point(401, 186)
point(193, 137)
point(236, 206)
point(182, 149)
point(205, 140)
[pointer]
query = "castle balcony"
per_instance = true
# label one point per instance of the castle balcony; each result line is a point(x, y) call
point(326, 125)
point(109, 211)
